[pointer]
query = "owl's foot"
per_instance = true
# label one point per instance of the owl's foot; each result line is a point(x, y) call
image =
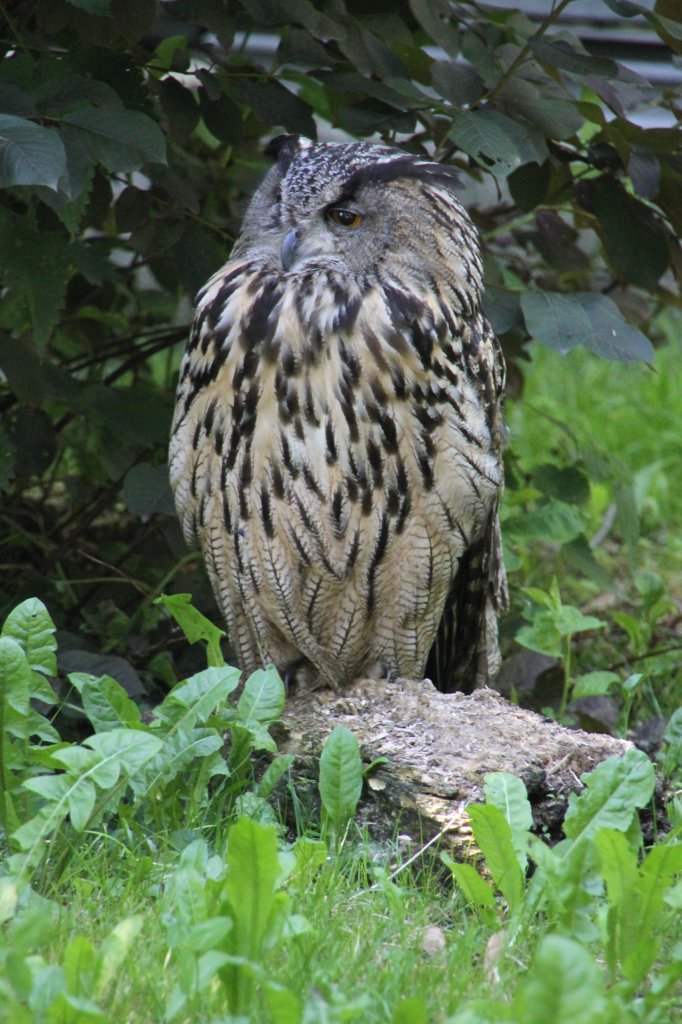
point(301, 676)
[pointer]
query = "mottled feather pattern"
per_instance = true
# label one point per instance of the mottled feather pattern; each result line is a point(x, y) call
point(336, 442)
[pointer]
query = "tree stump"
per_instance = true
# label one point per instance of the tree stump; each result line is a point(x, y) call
point(438, 748)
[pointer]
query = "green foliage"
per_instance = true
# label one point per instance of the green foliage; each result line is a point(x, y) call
point(126, 157)
point(129, 768)
point(130, 137)
point(222, 918)
point(32, 988)
point(552, 628)
point(165, 867)
point(341, 775)
point(595, 886)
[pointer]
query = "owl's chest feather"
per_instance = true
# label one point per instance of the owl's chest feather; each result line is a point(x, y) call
point(334, 407)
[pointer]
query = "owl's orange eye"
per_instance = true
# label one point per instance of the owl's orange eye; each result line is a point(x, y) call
point(345, 218)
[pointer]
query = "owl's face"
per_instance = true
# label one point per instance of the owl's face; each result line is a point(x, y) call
point(353, 208)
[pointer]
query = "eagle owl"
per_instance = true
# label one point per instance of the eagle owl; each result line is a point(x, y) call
point(336, 444)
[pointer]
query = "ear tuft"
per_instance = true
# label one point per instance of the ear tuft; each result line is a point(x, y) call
point(283, 148)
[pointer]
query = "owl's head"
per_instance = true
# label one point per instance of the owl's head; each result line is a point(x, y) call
point(355, 208)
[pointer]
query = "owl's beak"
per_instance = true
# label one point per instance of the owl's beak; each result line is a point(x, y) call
point(289, 246)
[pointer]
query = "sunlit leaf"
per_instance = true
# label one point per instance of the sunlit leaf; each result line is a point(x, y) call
point(614, 791)
point(30, 624)
point(340, 775)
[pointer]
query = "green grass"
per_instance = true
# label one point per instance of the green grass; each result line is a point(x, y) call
point(626, 419)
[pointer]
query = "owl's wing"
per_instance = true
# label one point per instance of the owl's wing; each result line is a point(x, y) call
point(465, 653)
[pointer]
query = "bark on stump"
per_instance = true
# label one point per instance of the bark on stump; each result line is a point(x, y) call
point(439, 748)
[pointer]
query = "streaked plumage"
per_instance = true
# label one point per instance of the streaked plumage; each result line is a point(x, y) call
point(337, 438)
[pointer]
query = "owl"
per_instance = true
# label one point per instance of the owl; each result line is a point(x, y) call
point(336, 444)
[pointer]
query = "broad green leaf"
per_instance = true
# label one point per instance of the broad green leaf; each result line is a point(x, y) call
point(253, 872)
point(439, 22)
point(310, 854)
point(105, 702)
point(122, 140)
point(564, 321)
point(660, 866)
point(9, 895)
point(180, 107)
point(570, 620)
point(194, 700)
point(185, 904)
point(340, 776)
point(274, 773)
point(128, 749)
point(502, 308)
point(542, 635)
point(563, 986)
point(594, 684)
point(29, 153)
point(208, 934)
point(614, 791)
point(618, 862)
point(77, 760)
point(271, 102)
point(194, 625)
point(543, 105)
point(529, 183)
point(222, 116)
point(565, 483)
point(553, 521)
point(493, 140)
point(476, 890)
point(119, 750)
point(567, 56)
point(181, 750)
point(15, 675)
point(673, 731)
point(37, 264)
point(635, 243)
point(458, 83)
point(494, 838)
point(80, 802)
point(50, 787)
point(508, 793)
point(644, 170)
point(613, 337)
point(262, 699)
point(555, 319)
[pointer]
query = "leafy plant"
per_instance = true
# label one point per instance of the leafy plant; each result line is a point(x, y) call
point(33, 988)
point(129, 140)
point(224, 918)
point(129, 768)
point(600, 854)
point(552, 627)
